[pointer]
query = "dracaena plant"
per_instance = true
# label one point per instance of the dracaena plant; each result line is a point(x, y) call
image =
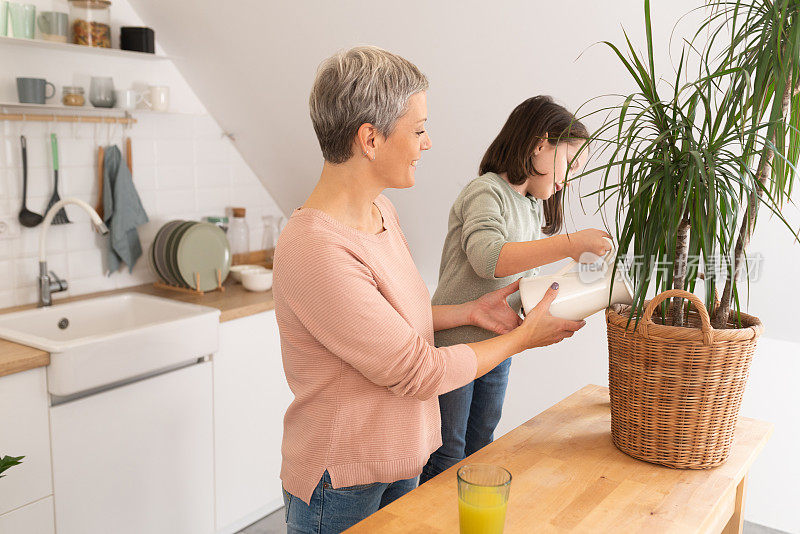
point(7, 462)
point(687, 162)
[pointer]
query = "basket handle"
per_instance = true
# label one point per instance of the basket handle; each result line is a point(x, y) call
point(705, 321)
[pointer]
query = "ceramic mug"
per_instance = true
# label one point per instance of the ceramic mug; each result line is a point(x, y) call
point(128, 99)
point(580, 294)
point(53, 25)
point(3, 18)
point(22, 17)
point(34, 90)
point(157, 98)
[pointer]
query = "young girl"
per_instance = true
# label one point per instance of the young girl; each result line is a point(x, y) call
point(494, 236)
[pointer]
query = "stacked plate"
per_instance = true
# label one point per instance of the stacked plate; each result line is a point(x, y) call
point(189, 254)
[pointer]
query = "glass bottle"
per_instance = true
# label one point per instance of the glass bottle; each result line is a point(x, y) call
point(239, 232)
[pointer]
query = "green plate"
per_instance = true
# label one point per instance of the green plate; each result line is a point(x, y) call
point(151, 262)
point(171, 250)
point(159, 256)
point(203, 248)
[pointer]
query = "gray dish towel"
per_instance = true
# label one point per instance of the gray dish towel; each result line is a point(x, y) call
point(123, 211)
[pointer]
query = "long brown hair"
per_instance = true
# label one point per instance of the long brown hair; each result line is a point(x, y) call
point(537, 119)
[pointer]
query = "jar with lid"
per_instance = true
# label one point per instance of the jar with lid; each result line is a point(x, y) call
point(72, 96)
point(239, 233)
point(90, 21)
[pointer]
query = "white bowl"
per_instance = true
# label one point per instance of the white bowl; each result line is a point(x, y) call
point(257, 279)
point(237, 270)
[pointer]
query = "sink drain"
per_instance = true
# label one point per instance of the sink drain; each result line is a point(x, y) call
point(63, 323)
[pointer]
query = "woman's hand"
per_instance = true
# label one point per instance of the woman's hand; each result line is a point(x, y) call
point(540, 329)
point(492, 312)
point(590, 240)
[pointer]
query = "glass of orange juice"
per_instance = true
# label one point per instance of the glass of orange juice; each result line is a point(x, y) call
point(482, 498)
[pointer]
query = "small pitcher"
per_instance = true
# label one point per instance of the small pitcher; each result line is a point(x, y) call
point(273, 224)
point(580, 294)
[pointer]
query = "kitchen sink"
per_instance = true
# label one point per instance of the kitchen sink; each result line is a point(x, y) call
point(107, 340)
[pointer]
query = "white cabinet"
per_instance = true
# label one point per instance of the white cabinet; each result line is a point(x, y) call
point(24, 431)
point(34, 518)
point(138, 458)
point(250, 398)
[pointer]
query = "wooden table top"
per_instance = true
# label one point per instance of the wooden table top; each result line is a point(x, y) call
point(569, 477)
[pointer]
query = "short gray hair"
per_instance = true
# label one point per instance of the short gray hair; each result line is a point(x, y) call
point(365, 84)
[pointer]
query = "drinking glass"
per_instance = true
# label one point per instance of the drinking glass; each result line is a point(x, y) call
point(272, 228)
point(482, 498)
point(101, 92)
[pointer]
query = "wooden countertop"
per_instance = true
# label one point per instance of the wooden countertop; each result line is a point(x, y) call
point(235, 302)
point(569, 477)
point(15, 358)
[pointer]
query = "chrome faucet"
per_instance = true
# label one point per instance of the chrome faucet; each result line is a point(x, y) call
point(49, 283)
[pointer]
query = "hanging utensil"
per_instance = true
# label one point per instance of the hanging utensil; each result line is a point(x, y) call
point(61, 215)
point(100, 158)
point(27, 218)
point(129, 154)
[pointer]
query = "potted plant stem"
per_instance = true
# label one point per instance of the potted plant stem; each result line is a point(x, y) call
point(689, 164)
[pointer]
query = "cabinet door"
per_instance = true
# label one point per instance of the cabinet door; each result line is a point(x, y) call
point(35, 518)
point(138, 458)
point(250, 398)
point(25, 431)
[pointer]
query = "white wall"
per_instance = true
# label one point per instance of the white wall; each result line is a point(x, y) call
point(252, 65)
point(183, 168)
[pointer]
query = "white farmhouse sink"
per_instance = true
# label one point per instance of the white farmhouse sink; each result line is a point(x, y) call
point(115, 338)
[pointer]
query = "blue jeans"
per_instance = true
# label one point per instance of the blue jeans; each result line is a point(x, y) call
point(333, 510)
point(469, 416)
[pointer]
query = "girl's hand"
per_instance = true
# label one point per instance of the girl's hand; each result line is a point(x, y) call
point(540, 329)
point(492, 312)
point(590, 240)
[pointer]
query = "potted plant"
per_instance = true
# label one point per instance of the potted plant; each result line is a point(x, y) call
point(7, 462)
point(689, 164)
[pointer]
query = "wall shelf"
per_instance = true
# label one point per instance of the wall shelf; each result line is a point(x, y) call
point(10, 111)
point(69, 47)
point(89, 109)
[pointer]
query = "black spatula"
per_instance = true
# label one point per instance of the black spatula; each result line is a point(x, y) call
point(61, 216)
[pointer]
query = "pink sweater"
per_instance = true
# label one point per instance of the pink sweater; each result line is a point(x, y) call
point(357, 342)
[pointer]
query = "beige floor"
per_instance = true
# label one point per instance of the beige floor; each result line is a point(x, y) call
point(274, 524)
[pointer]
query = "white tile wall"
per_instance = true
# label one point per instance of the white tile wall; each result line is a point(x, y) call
point(182, 167)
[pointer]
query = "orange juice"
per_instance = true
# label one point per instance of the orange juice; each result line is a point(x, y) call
point(482, 511)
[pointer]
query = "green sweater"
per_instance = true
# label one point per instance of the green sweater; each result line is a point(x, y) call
point(487, 214)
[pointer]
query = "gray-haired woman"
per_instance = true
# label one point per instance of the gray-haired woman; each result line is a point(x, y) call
point(355, 317)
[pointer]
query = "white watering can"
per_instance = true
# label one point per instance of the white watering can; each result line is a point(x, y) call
point(580, 294)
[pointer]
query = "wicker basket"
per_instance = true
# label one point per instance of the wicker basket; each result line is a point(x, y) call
point(676, 391)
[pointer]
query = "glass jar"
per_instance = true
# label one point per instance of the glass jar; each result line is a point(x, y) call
point(273, 224)
point(90, 21)
point(239, 233)
point(72, 96)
